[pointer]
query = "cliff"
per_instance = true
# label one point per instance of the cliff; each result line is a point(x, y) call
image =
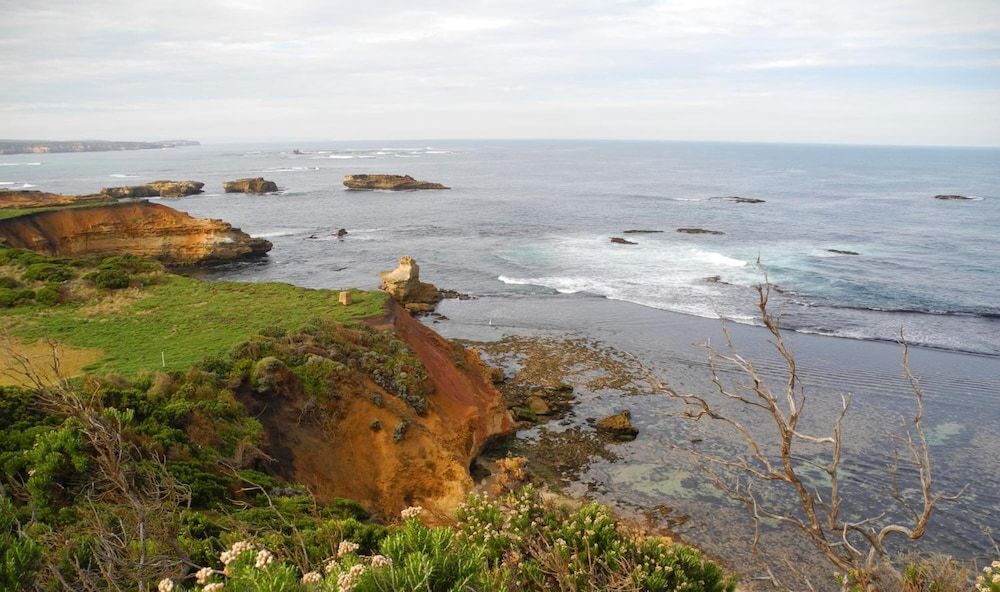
point(46, 146)
point(25, 199)
point(388, 183)
point(140, 228)
point(368, 445)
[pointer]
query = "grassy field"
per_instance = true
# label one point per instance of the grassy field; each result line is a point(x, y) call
point(180, 320)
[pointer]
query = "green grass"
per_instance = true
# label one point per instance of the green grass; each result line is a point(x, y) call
point(187, 320)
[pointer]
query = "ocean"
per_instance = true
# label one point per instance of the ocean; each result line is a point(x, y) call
point(526, 228)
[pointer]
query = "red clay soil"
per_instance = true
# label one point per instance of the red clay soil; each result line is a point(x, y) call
point(333, 449)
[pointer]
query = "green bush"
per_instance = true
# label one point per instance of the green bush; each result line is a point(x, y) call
point(109, 279)
point(49, 295)
point(20, 557)
point(9, 283)
point(48, 272)
point(10, 298)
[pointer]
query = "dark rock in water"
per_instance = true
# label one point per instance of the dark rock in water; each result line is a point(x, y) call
point(312, 236)
point(643, 231)
point(453, 295)
point(621, 241)
point(388, 182)
point(618, 426)
point(714, 279)
point(699, 231)
point(341, 232)
point(250, 185)
point(842, 252)
point(297, 151)
point(738, 199)
point(952, 197)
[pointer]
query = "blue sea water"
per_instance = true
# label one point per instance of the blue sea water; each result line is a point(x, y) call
point(526, 229)
point(537, 216)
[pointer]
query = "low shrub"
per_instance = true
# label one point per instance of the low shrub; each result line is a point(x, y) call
point(49, 295)
point(48, 272)
point(10, 298)
point(109, 279)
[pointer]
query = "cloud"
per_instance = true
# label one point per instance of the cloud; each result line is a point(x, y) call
point(698, 69)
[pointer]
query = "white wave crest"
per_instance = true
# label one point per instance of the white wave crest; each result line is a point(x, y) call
point(123, 176)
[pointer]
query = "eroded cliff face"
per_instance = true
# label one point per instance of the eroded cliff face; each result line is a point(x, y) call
point(347, 447)
point(140, 228)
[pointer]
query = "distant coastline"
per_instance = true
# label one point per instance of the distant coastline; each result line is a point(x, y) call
point(47, 146)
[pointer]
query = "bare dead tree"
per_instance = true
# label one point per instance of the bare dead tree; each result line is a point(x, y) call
point(769, 464)
point(132, 500)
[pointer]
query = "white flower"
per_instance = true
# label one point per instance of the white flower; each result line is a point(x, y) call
point(202, 575)
point(346, 548)
point(349, 579)
point(235, 551)
point(213, 587)
point(165, 585)
point(312, 577)
point(264, 558)
point(331, 566)
point(411, 512)
point(381, 561)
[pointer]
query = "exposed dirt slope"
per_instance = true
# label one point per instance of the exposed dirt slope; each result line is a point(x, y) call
point(333, 448)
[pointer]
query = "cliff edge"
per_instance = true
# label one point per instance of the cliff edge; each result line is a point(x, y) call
point(138, 228)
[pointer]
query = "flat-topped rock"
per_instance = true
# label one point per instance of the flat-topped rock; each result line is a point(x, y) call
point(843, 252)
point(388, 183)
point(640, 231)
point(155, 189)
point(622, 241)
point(250, 185)
point(698, 231)
point(952, 197)
point(738, 199)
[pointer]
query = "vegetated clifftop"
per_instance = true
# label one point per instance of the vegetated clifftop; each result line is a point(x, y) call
point(370, 445)
point(46, 146)
point(29, 198)
point(138, 228)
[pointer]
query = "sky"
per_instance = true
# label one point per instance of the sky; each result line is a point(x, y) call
point(831, 71)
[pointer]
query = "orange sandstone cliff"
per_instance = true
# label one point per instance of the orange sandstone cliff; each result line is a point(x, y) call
point(139, 228)
point(338, 452)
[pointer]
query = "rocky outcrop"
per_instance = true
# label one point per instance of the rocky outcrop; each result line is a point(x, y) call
point(698, 231)
point(618, 426)
point(388, 183)
point(139, 228)
point(738, 199)
point(622, 241)
point(155, 189)
point(843, 252)
point(250, 185)
point(643, 231)
point(27, 199)
point(404, 286)
point(952, 197)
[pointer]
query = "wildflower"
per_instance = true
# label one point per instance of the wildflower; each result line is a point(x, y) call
point(381, 561)
point(312, 577)
point(264, 558)
point(165, 585)
point(237, 549)
point(349, 579)
point(411, 512)
point(346, 548)
point(213, 587)
point(331, 566)
point(202, 575)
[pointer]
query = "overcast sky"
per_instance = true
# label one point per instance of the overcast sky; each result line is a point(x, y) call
point(844, 71)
